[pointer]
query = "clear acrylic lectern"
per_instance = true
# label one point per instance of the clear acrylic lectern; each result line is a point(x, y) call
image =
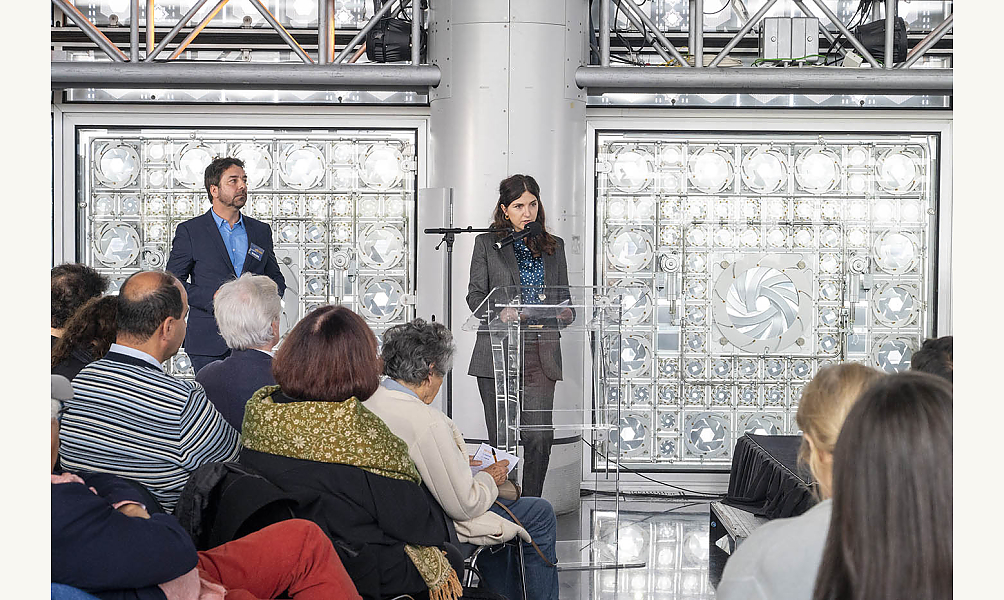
point(585, 322)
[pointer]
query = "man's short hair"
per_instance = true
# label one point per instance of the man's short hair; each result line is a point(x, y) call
point(245, 309)
point(139, 317)
point(215, 170)
point(73, 284)
point(934, 357)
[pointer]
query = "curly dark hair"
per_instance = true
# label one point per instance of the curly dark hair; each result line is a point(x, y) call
point(935, 357)
point(91, 328)
point(73, 284)
point(510, 189)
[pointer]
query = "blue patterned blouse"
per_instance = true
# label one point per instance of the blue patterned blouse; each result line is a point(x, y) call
point(531, 270)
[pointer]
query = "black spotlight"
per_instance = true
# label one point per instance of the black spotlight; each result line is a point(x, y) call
point(872, 36)
point(390, 40)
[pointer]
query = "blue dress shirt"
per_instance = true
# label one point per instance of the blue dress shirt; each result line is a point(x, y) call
point(235, 239)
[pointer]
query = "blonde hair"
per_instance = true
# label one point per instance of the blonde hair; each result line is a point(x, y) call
point(825, 402)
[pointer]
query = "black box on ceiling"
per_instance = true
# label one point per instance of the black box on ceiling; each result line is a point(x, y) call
point(872, 36)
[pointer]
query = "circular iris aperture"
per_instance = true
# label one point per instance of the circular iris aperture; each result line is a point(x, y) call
point(765, 171)
point(762, 303)
point(817, 170)
point(257, 164)
point(707, 433)
point(382, 247)
point(636, 301)
point(630, 250)
point(898, 172)
point(893, 354)
point(630, 434)
point(895, 305)
point(190, 165)
point(381, 299)
point(382, 167)
point(117, 165)
point(302, 166)
point(896, 252)
point(633, 170)
point(634, 355)
point(711, 171)
point(116, 244)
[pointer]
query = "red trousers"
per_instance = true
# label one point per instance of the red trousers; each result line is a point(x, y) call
point(290, 556)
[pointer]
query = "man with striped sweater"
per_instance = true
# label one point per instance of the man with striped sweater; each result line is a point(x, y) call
point(127, 416)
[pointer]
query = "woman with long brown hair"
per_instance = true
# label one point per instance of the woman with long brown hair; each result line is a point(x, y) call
point(538, 260)
point(891, 531)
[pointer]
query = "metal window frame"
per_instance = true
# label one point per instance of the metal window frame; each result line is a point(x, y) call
point(68, 120)
point(756, 120)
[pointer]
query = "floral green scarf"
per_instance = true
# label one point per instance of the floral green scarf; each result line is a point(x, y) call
point(345, 433)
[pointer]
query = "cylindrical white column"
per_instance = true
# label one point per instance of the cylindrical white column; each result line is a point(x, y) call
point(507, 103)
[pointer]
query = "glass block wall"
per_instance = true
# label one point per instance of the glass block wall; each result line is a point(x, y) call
point(340, 203)
point(762, 258)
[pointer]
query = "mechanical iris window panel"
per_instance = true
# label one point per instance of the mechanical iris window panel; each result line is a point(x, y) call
point(764, 257)
point(341, 206)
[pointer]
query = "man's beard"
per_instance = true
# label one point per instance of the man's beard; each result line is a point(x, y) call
point(237, 202)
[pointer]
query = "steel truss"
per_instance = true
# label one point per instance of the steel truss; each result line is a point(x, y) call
point(330, 71)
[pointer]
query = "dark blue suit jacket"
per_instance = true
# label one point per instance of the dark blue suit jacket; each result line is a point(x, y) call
point(230, 382)
point(102, 551)
point(198, 252)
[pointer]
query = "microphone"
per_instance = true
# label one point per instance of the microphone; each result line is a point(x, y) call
point(532, 228)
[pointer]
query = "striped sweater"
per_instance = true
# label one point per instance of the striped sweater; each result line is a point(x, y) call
point(131, 419)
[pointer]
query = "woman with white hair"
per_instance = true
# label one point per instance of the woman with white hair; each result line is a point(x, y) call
point(247, 312)
point(416, 357)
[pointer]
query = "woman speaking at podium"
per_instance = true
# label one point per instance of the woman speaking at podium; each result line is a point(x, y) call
point(538, 259)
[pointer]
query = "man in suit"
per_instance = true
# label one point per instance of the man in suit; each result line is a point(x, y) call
point(217, 247)
point(130, 418)
point(247, 312)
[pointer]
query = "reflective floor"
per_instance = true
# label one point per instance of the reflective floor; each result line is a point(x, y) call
point(669, 536)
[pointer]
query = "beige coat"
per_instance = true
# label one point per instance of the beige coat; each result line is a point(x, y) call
point(437, 447)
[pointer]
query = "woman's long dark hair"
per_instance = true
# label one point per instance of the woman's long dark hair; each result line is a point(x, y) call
point(891, 530)
point(92, 328)
point(510, 189)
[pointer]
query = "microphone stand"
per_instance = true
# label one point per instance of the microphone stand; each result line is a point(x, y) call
point(449, 237)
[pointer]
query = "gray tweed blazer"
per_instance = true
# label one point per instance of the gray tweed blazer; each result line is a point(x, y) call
point(492, 268)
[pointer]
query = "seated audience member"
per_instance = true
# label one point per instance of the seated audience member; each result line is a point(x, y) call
point(129, 418)
point(416, 357)
point(891, 531)
point(312, 436)
point(86, 337)
point(780, 558)
point(73, 284)
point(934, 357)
point(247, 312)
point(105, 543)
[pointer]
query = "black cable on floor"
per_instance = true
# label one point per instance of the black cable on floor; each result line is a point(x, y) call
point(695, 493)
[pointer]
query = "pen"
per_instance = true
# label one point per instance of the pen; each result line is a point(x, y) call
point(493, 455)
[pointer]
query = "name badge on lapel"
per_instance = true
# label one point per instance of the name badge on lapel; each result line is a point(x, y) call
point(256, 252)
